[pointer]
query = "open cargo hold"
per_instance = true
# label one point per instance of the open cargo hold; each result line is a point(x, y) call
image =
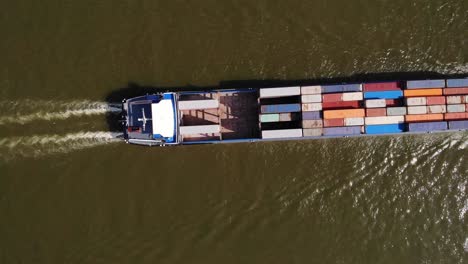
point(295, 112)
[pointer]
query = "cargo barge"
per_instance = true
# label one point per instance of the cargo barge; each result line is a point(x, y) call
point(296, 112)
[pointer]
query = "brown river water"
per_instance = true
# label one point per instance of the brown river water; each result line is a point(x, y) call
point(72, 192)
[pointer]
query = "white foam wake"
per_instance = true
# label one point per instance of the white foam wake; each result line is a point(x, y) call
point(25, 111)
point(40, 145)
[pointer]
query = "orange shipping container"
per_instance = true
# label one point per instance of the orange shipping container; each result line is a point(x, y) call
point(456, 116)
point(426, 117)
point(422, 92)
point(329, 114)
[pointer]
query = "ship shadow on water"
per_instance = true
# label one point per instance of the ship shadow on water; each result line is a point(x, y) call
point(134, 89)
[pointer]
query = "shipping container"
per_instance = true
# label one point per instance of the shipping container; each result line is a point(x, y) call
point(426, 117)
point(457, 82)
point(456, 116)
point(427, 126)
point(329, 114)
point(282, 133)
point(381, 86)
point(412, 101)
point(436, 109)
point(422, 92)
point(198, 104)
point(355, 96)
point(462, 124)
point(396, 111)
point(375, 103)
point(311, 107)
point(417, 110)
point(456, 108)
point(285, 117)
point(280, 108)
point(280, 92)
point(332, 97)
point(454, 91)
point(269, 118)
point(312, 123)
point(385, 129)
point(311, 115)
point(342, 131)
point(425, 84)
point(383, 95)
point(341, 105)
point(454, 99)
point(340, 88)
point(383, 120)
point(311, 98)
point(394, 102)
point(317, 89)
point(354, 121)
point(435, 100)
point(376, 112)
point(312, 132)
point(465, 99)
point(334, 122)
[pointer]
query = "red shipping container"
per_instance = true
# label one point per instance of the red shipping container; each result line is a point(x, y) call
point(393, 102)
point(340, 105)
point(334, 122)
point(454, 91)
point(384, 86)
point(376, 112)
point(435, 100)
point(336, 97)
point(456, 116)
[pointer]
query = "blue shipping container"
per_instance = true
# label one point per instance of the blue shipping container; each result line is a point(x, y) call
point(339, 88)
point(425, 84)
point(311, 115)
point(461, 124)
point(341, 131)
point(280, 108)
point(457, 83)
point(385, 129)
point(383, 95)
point(427, 126)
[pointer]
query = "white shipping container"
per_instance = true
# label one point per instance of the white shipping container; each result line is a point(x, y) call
point(417, 110)
point(436, 109)
point(465, 100)
point(311, 107)
point(416, 101)
point(204, 129)
point(456, 108)
point(454, 99)
point(396, 111)
point(311, 98)
point(383, 120)
point(282, 133)
point(317, 89)
point(280, 92)
point(375, 103)
point(354, 121)
point(356, 96)
point(312, 132)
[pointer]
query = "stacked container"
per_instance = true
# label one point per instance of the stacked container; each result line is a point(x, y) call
point(342, 110)
point(456, 93)
point(311, 106)
point(425, 105)
point(276, 119)
point(384, 108)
